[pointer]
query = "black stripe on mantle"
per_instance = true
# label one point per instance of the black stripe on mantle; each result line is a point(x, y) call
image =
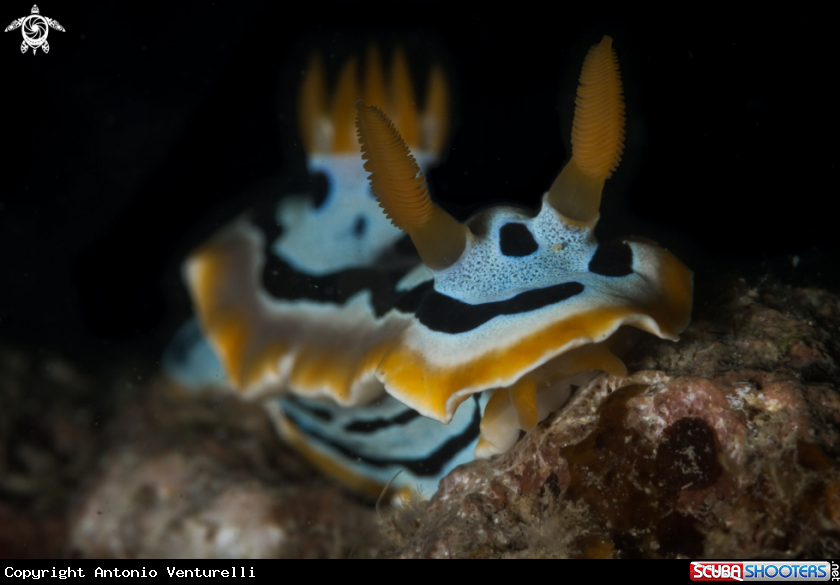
point(430, 465)
point(435, 310)
point(442, 313)
point(283, 282)
point(377, 424)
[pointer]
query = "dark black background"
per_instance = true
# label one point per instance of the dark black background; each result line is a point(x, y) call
point(149, 124)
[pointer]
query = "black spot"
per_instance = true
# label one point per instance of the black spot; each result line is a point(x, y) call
point(613, 258)
point(686, 458)
point(447, 315)
point(515, 239)
point(371, 426)
point(320, 188)
point(360, 227)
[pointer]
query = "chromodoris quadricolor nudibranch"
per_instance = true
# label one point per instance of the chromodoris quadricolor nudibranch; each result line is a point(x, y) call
point(361, 349)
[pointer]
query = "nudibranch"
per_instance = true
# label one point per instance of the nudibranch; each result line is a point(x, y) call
point(369, 347)
point(299, 298)
point(522, 305)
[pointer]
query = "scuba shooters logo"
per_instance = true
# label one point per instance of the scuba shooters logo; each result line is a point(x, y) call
point(762, 571)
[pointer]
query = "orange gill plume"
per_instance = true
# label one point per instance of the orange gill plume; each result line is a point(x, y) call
point(375, 90)
point(400, 187)
point(402, 109)
point(312, 107)
point(327, 125)
point(346, 93)
point(597, 136)
point(435, 117)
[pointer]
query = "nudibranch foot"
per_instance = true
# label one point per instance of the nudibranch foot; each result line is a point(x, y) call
point(537, 394)
point(502, 423)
